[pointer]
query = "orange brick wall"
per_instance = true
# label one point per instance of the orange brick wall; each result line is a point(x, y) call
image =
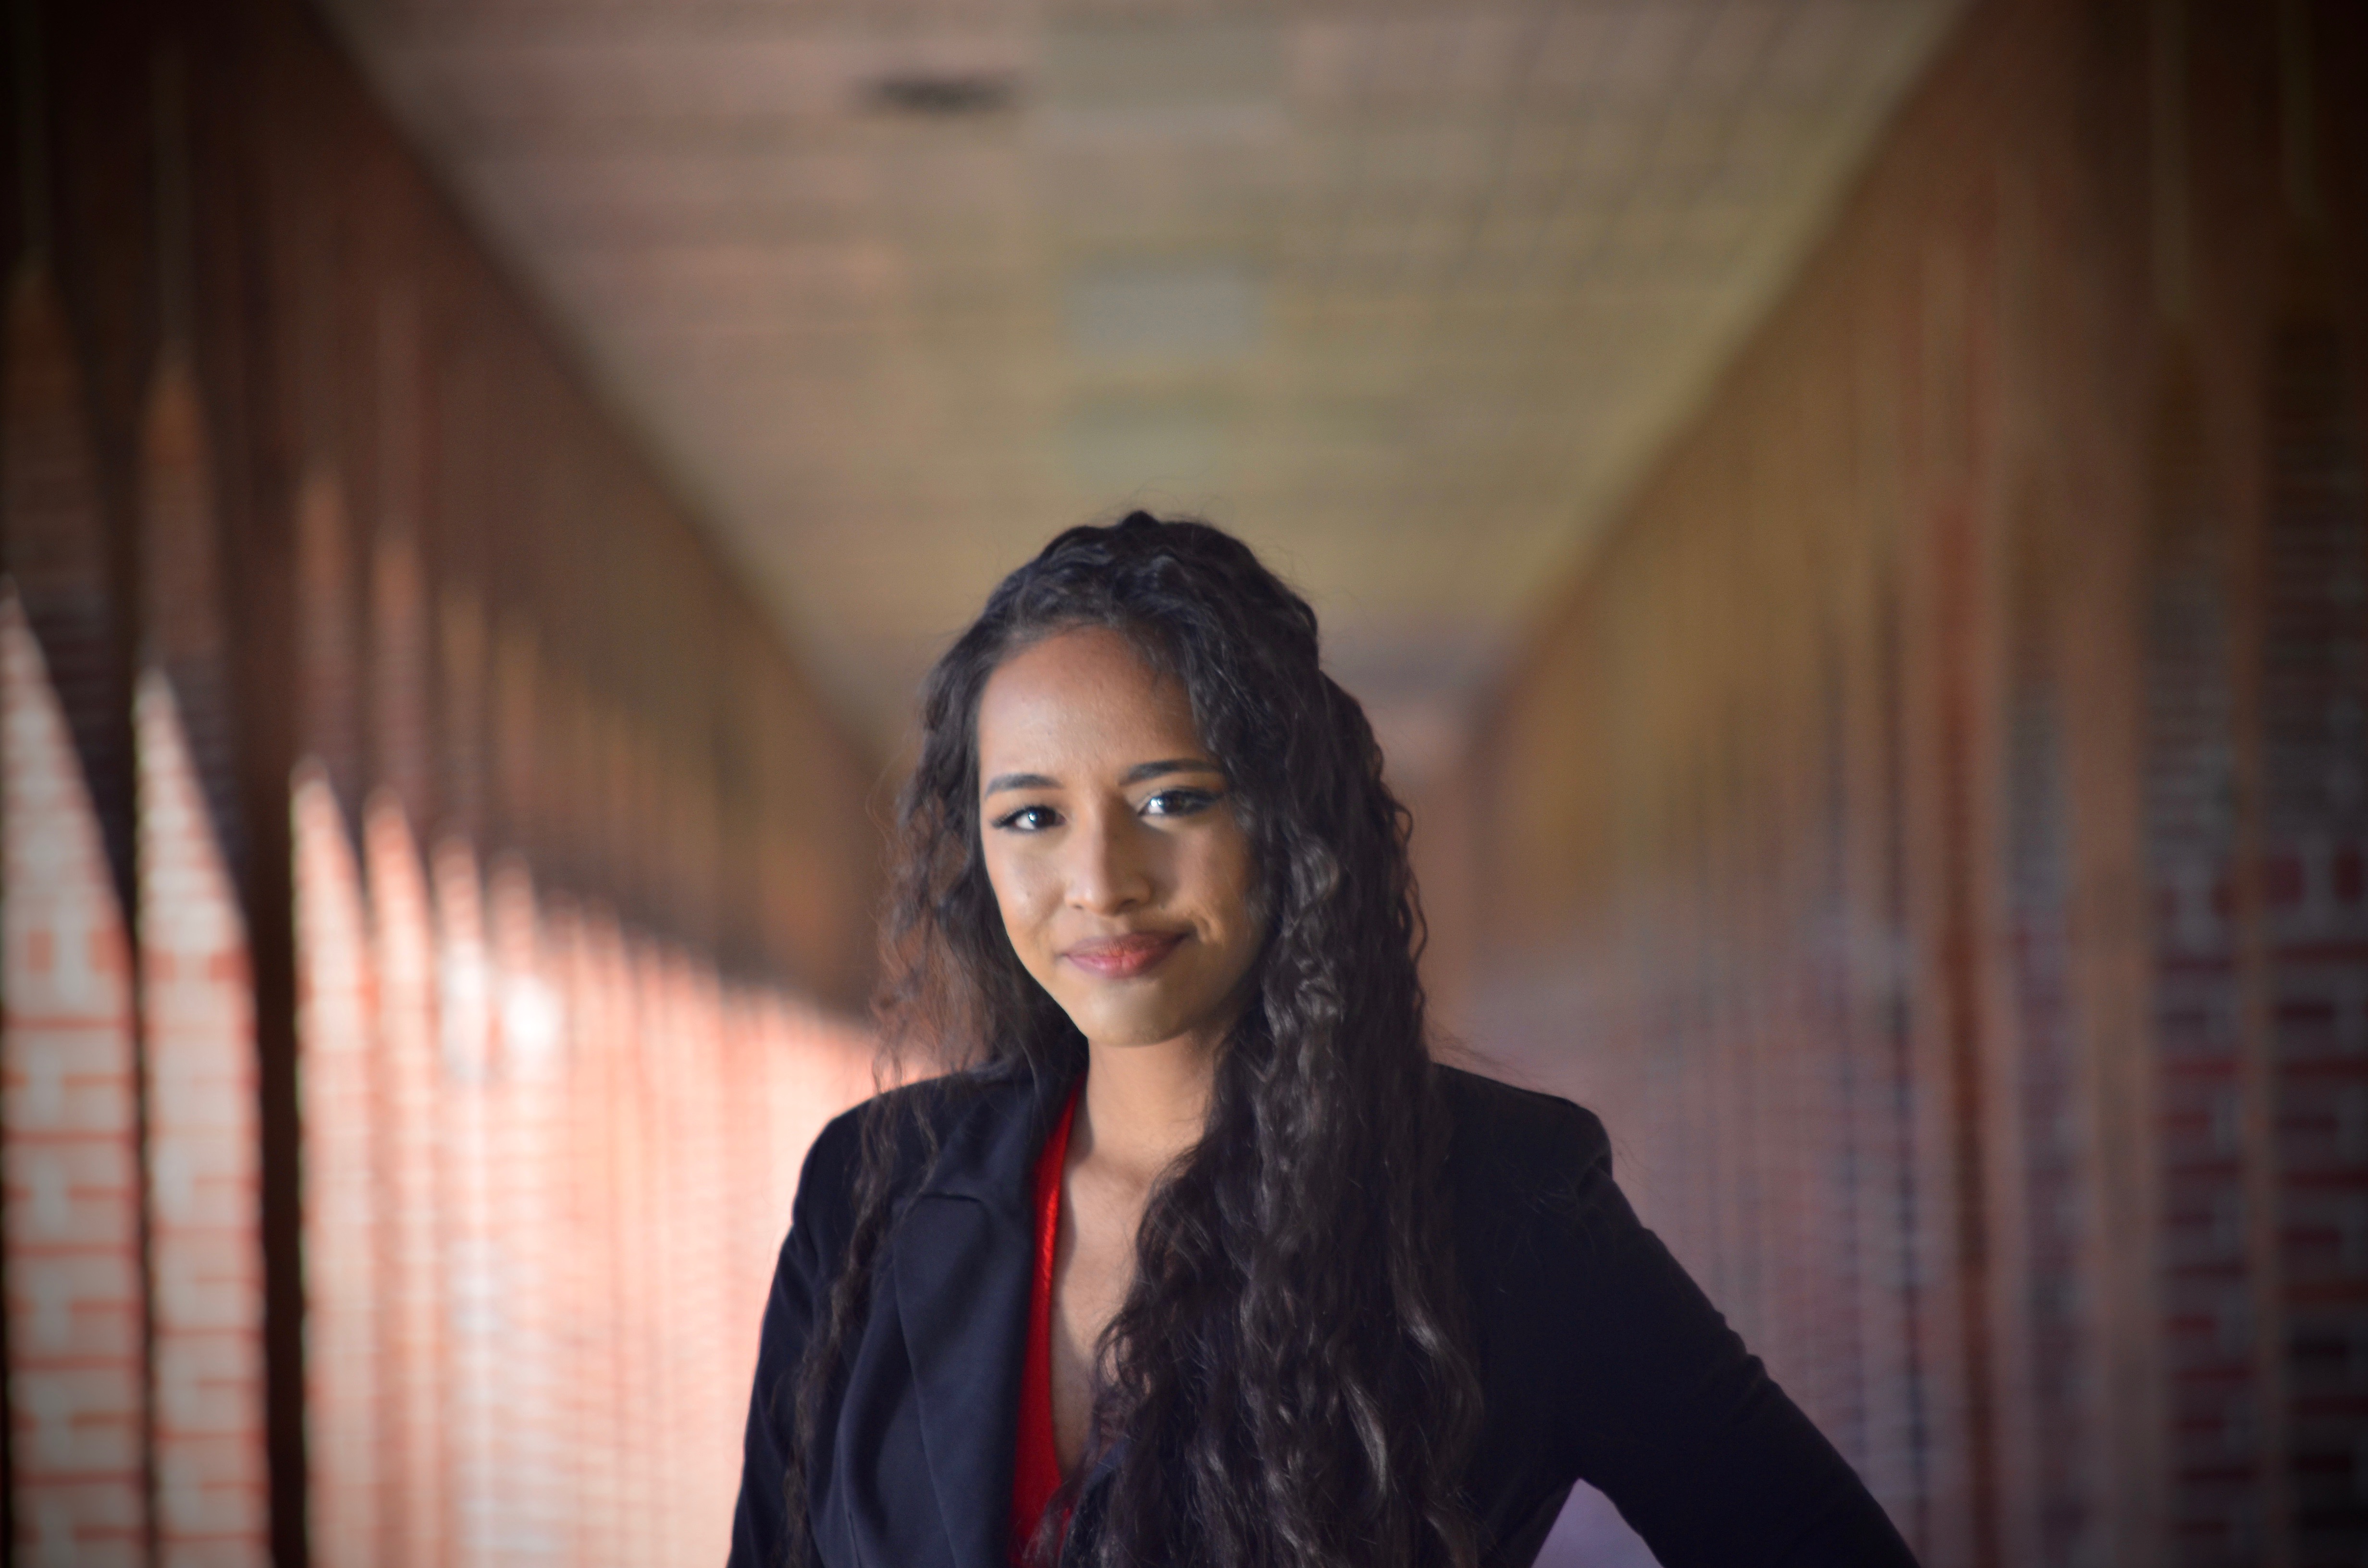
point(401, 1082)
point(554, 1159)
point(1930, 830)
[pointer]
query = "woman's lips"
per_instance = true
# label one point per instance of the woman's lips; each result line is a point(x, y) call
point(1121, 957)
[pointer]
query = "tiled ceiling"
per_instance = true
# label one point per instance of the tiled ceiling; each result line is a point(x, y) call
point(1403, 292)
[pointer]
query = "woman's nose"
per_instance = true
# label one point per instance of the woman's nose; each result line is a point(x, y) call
point(1108, 869)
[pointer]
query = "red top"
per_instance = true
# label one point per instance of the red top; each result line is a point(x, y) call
point(1036, 1472)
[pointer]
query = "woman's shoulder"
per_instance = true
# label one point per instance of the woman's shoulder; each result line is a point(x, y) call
point(1503, 1129)
point(1530, 1173)
point(920, 1120)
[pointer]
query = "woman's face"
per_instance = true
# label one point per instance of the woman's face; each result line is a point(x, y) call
point(1126, 882)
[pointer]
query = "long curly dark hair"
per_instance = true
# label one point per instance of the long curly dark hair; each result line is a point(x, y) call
point(1290, 1365)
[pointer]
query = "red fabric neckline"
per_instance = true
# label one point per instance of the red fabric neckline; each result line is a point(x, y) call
point(1036, 1472)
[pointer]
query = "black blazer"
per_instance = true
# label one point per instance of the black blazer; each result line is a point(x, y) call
point(1599, 1358)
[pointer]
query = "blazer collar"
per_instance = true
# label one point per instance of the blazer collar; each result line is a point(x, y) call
point(962, 1270)
point(995, 1128)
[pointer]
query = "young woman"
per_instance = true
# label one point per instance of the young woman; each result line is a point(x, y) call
point(1196, 1256)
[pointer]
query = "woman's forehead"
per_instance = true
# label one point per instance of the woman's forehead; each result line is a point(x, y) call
point(1086, 696)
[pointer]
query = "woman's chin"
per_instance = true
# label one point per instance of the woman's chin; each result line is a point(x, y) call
point(1128, 1038)
point(1110, 1029)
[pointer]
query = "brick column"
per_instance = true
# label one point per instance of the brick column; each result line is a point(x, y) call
point(606, 1420)
point(708, 1444)
point(472, 1300)
point(2052, 1452)
point(2314, 845)
point(69, 1096)
point(531, 1062)
point(2190, 798)
point(407, 1141)
point(336, 1007)
point(198, 1015)
point(202, 1159)
point(77, 1374)
point(638, 1255)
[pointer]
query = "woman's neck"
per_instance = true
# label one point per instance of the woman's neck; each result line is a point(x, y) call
point(1143, 1106)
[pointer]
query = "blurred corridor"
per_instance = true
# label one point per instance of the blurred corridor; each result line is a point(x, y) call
point(1849, 516)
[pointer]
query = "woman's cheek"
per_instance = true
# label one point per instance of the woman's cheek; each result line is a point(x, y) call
point(1029, 919)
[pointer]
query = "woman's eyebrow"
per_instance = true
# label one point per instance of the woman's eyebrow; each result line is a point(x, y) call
point(1136, 775)
point(1143, 770)
point(1002, 781)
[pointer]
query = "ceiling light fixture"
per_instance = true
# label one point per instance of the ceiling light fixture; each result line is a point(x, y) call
point(945, 94)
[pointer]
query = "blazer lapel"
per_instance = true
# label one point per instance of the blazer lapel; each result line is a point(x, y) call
point(962, 1270)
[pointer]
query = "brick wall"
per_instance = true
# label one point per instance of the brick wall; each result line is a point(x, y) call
point(401, 1087)
point(1930, 829)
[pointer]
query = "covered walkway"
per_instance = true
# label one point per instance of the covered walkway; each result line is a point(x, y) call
point(1849, 516)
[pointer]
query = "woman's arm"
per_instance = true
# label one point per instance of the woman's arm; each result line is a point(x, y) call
point(759, 1522)
point(1677, 1422)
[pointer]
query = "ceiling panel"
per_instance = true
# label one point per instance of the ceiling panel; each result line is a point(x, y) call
point(1405, 293)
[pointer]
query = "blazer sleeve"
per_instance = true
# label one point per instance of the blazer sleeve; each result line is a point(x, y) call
point(1674, 1420)
point(800, 1281)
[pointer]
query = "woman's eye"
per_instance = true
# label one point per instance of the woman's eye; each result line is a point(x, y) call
point(1179, 803)
point(1029, 819)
